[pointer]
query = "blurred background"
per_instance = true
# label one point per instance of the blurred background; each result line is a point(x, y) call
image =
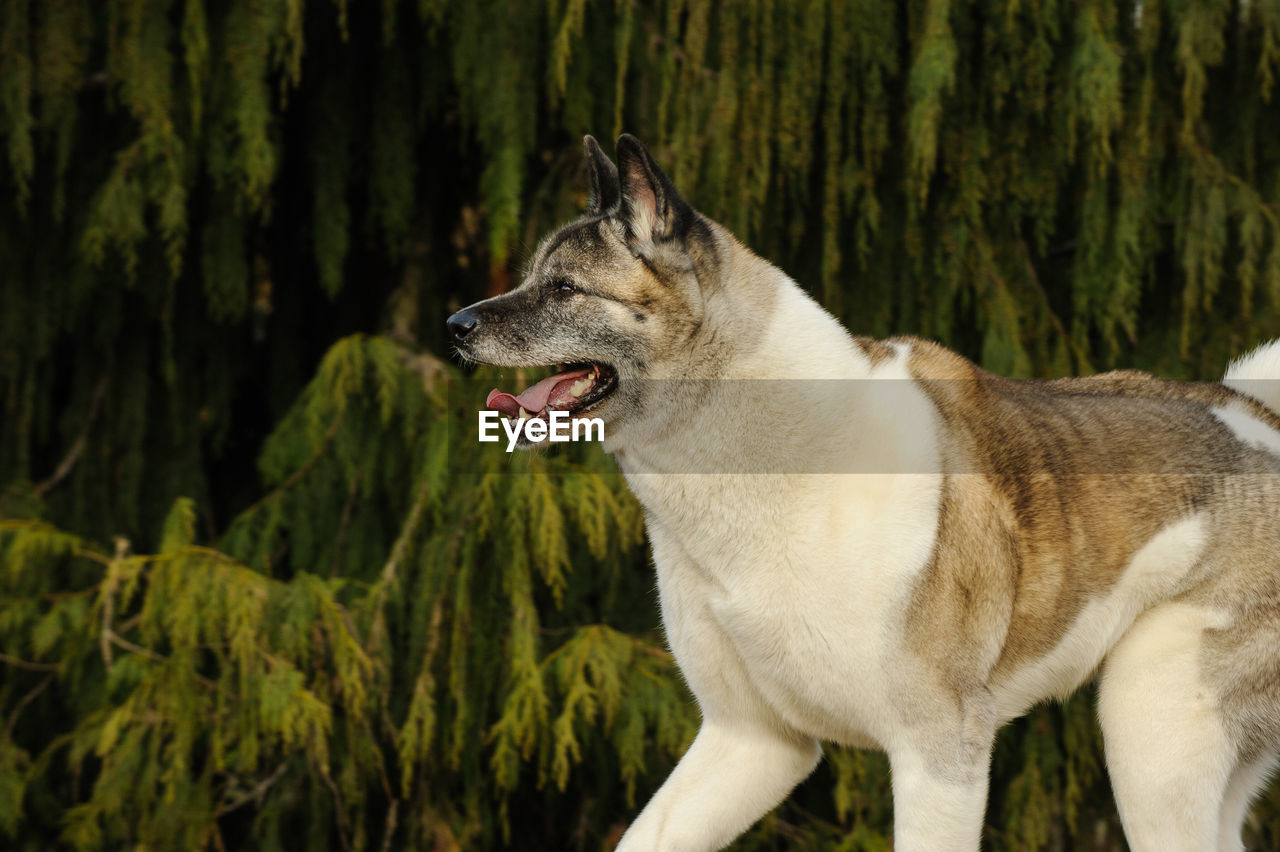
point(260, 589)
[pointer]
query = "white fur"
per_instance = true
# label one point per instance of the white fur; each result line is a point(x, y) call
point(780, 626)
point(732, 771)
point(785, 596)
point(1155, 572)
point(1170, 759)
point(932, 812)
point(1245, 784)
point(1249, 429)
point(1258, 374)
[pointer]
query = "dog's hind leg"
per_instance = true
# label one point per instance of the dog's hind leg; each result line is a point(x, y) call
point(1247, 781)
point(1169, 752)
point(731, 776)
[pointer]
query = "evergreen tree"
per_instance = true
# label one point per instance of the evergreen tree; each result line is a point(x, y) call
point(259, 586)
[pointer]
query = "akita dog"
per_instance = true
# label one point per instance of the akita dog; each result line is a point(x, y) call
point(911, 551)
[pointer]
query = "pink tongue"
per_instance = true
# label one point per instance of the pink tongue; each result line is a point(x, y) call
point(536, 398)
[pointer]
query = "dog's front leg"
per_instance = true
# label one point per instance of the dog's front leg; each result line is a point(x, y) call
point(733, 774)
point(939, 797)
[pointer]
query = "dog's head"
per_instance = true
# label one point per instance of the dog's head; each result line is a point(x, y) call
point(610, 299)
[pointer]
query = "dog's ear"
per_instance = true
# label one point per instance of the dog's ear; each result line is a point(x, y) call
point(651, 209)
point(602, 177)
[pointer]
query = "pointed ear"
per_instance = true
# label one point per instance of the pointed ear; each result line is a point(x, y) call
point(651, 208)
point(602, 177)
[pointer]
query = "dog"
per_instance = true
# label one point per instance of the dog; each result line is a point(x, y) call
point(879, 544)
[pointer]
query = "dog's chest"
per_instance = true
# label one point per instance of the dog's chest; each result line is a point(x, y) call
point(796, 602)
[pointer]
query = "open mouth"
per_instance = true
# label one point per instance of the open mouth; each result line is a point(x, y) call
point(576, 388)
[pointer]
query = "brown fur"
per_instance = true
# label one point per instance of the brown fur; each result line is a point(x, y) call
point(1057, 444)
point(877, 351)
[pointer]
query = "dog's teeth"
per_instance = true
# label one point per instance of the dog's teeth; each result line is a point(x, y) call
point(525, 415)
point(580, 386)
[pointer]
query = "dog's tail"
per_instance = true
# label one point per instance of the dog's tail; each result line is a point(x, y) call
point(1258, 374)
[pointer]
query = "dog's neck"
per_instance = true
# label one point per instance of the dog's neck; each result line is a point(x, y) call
point(709, 458)
point(801, 406)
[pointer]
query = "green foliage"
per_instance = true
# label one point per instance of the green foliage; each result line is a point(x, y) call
point(205, 681)
point(258, 586)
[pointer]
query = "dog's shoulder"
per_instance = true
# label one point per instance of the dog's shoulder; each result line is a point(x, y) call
point(925, 359)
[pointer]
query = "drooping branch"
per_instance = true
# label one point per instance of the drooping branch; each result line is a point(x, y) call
point(77, 447)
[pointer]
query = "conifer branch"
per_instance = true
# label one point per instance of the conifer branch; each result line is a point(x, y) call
point(407, 531)
point(31, 695)
point(389, 829)
point(29, 666)
point(1215, 165)
point(109, 601)
point(1082, 357)
point(92, 555)
point(434, 633)
point(392, 565)
point(338, 811)
point(429, 369)
point(113, 638)
point(77, 447)
point(344, 524)
point(303, 470)
point(254, 795)
point(110, 637)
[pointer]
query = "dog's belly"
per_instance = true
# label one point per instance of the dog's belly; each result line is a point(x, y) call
point(810, 627)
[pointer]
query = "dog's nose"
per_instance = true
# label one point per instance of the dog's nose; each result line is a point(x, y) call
point(462, 323)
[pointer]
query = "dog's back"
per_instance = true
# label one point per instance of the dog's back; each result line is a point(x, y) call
point(1095, 499)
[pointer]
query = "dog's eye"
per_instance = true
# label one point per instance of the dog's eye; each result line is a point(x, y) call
point(562, 288)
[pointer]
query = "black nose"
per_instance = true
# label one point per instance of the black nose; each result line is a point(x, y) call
point(462, 323)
